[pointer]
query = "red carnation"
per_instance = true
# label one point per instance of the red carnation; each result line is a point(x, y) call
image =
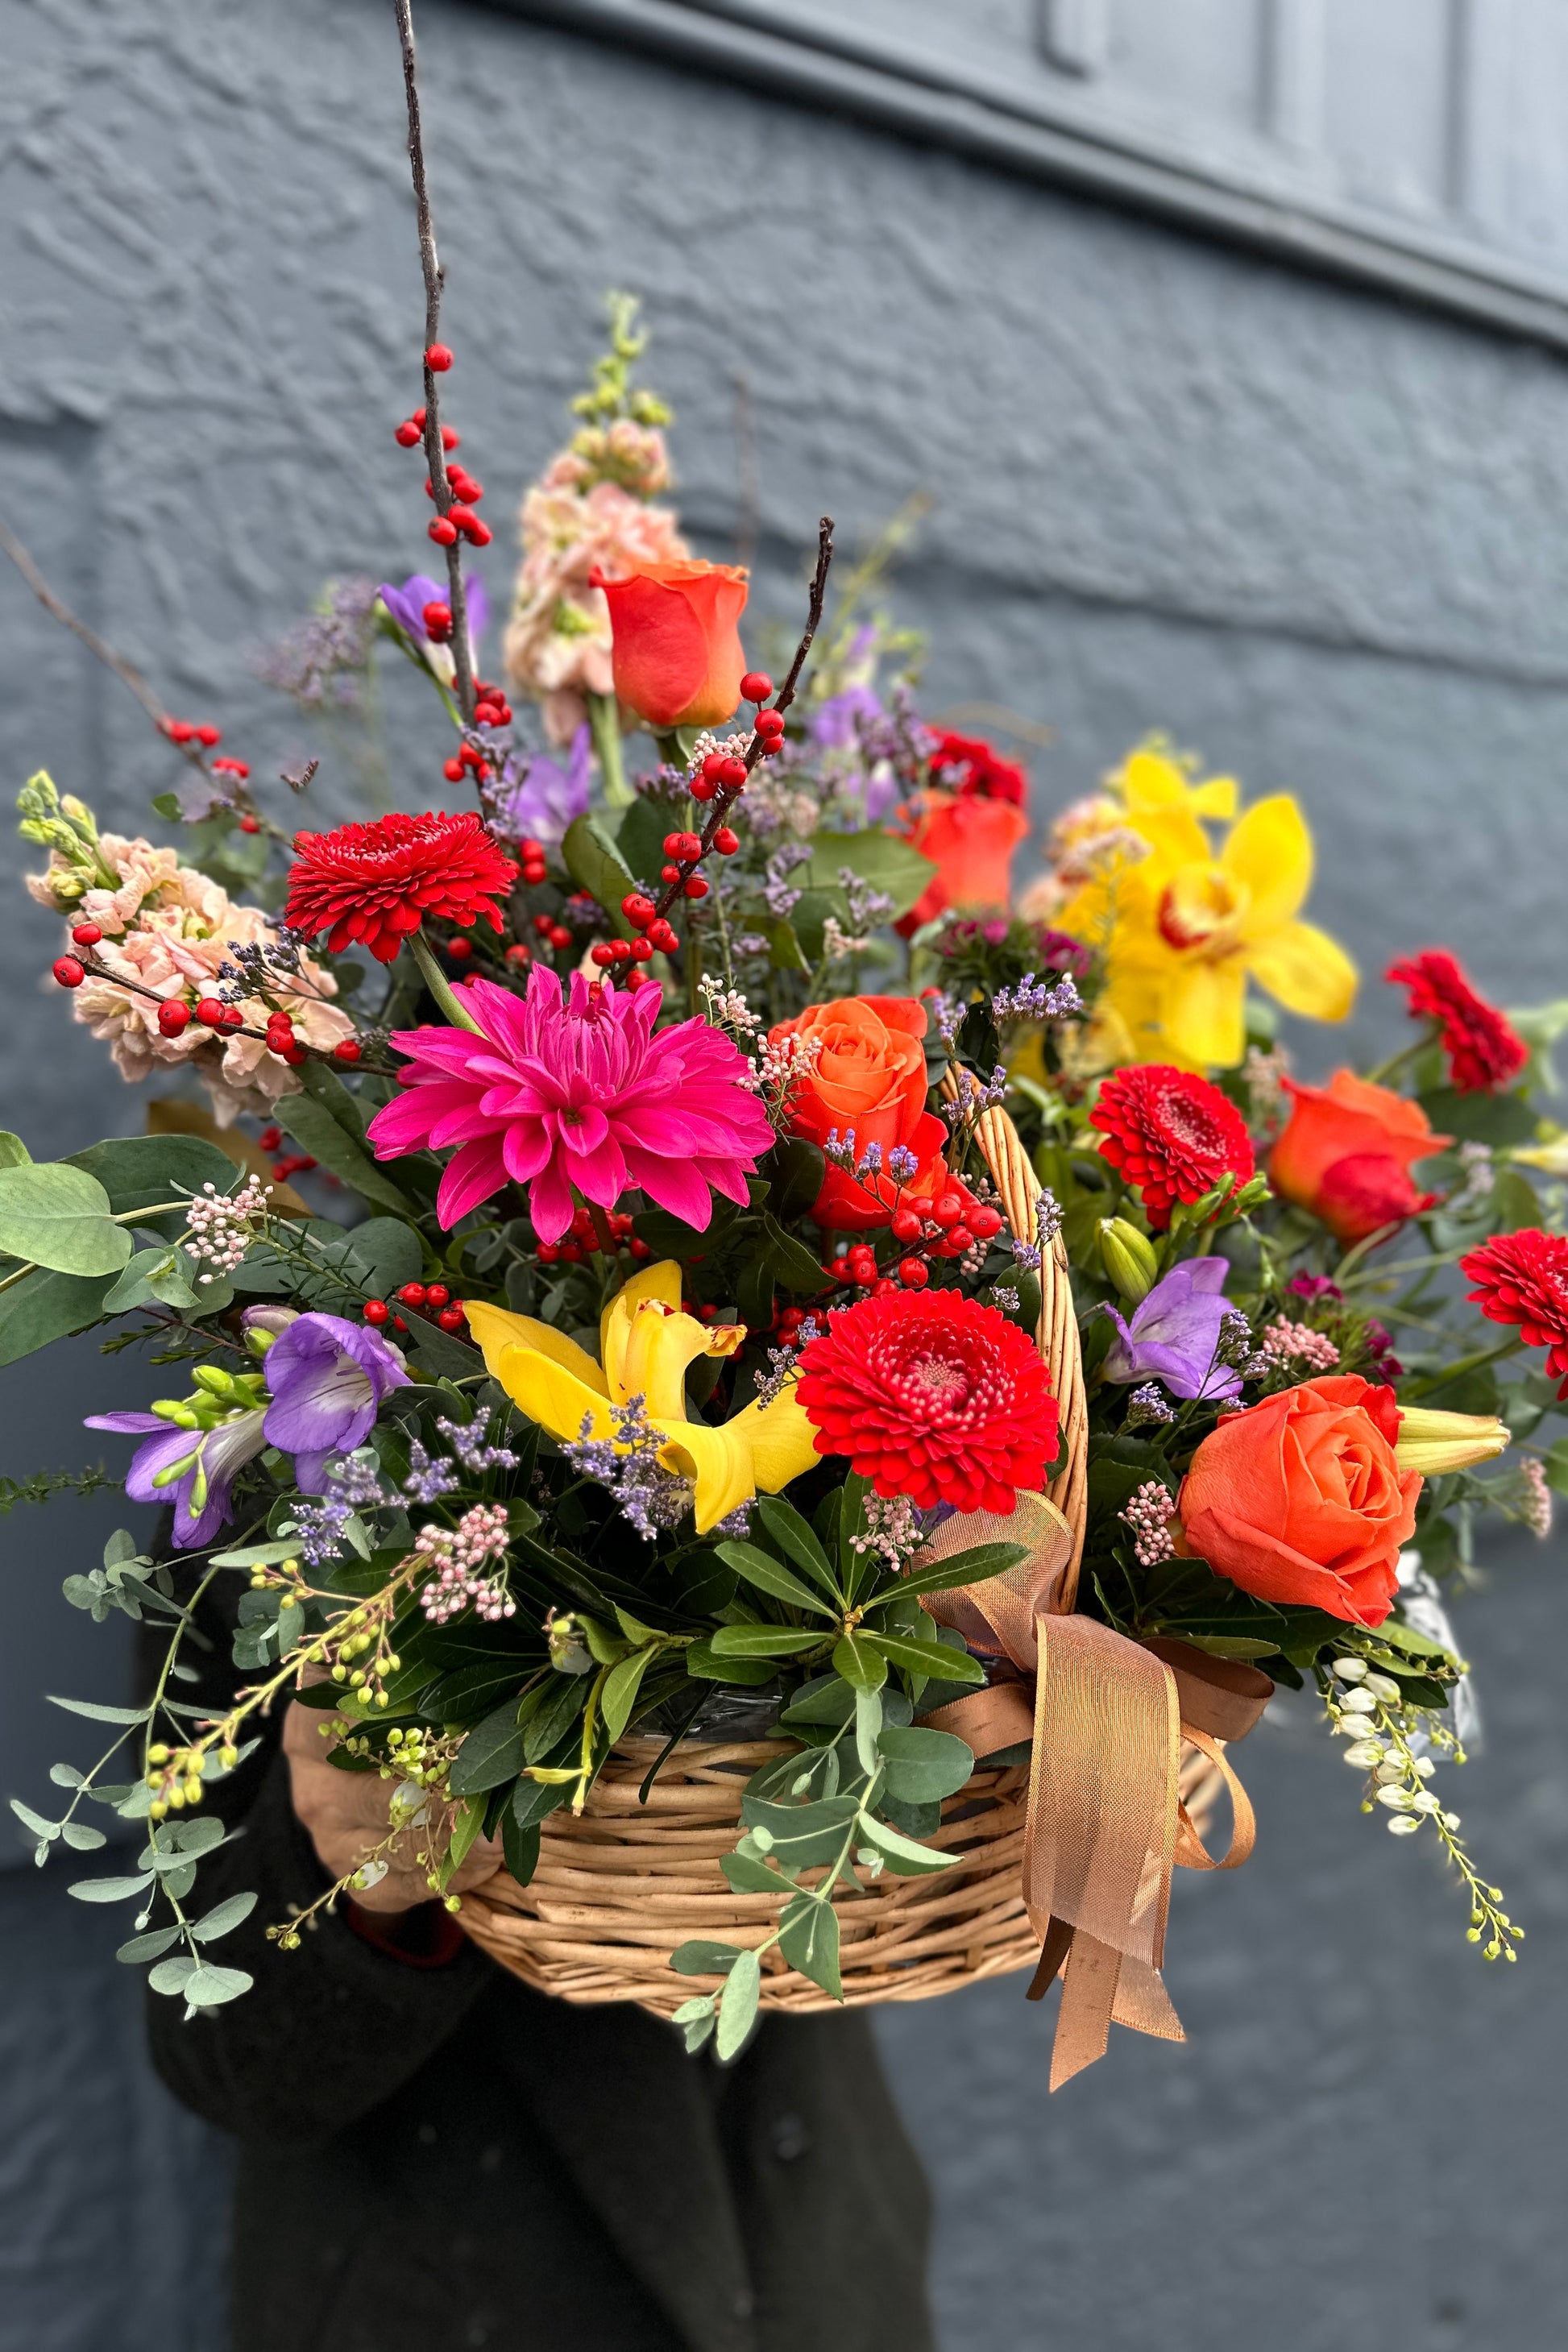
point(1523, 1279)
point(376, 883)
point(1172, 1135)
point(965, 765)
point(933, 1396)
point(1485, 1053)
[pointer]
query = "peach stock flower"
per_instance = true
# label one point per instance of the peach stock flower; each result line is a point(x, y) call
point(169, 928)
point(1346, 1154)
point(1301, 1501)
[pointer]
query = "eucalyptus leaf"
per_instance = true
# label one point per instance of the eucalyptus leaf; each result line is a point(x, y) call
point(902, 1855)
point(58, 1217)
point(808, 1939)
point(921, 1766)
point(211, 1986)
point(737, 2011)
point(223, 1918)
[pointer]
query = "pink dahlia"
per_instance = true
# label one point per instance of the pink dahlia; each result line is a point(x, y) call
point(580, 1094)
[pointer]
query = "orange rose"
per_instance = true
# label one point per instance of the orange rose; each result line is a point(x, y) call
point(677, 654)
point(1346, 1155)
point(1300, 1501)
point(869, 1077)
point(971, 842)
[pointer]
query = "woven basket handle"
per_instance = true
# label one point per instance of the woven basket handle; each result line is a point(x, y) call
point(1057, 1337)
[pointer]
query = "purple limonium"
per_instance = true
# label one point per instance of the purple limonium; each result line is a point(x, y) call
point(406, 605)
point(834, 721)
point(538, 799)
point(1174, 1333)
point(328, 1378)
point(192, 1467)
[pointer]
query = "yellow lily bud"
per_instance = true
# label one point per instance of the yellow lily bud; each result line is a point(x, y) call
point(1129, 1258)
point(1435, 1442)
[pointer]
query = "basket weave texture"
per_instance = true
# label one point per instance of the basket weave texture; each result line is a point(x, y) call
point(619, 1887)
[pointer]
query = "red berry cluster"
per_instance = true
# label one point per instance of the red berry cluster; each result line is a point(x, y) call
point(491, 709)
point(949, 1227)
point(534, 866)
point(291, 1163)
point(582, 1239)
point(182, 731)
point(429, 1299)
point(553, 932)
point(460, 519)
point(721, 779)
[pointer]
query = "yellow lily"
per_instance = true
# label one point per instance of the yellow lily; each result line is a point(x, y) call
point(646, 1344)
point(1184, 927)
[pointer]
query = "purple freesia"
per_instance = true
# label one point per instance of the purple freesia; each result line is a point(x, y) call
point(406, 605)
point(194, 1469)
point(538, 798)
point(1174, 1332)
point(328, 1378)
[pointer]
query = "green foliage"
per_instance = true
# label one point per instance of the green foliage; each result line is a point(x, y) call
point(58, 1217)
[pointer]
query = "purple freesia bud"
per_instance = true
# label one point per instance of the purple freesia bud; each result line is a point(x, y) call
point(406, 605)
point(192, 1468)
point(328, 1378)
point(538, 799)
point(1174, 1333)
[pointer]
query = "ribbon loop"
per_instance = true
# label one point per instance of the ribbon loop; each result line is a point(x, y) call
point(1106, 1825)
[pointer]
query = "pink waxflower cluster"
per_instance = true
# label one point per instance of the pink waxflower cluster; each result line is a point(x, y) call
point(580, 1093)
point(169, 929)
point(587, 512)
point(1285, 1342)
point(460, 1556)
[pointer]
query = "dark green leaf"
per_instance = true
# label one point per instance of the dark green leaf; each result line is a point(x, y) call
point(492, 1752)
point(521, 1847)
point(880, 859)
point(971, 1567)
point(43, 1307)
point(770, 1577)
point(764, 1642)
point(792, 1534)
point(704, 1664)
point(1497, 1120)
point(933, 1658)
point(314, 1129)
point(862, 1667)
point(796, 1169)
point(790, 1261)
point(639, 838)
point(621, 1689)
point(595, 864)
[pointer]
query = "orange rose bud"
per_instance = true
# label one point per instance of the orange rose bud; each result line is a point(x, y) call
point(1301, 1501)
point(869, 1077)
point(1347, 1151)
point(677, 653)
point(971, 841)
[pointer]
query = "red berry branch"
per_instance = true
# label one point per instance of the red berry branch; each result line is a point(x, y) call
point(721, 779)
point(175, 1018)
point(454, 516)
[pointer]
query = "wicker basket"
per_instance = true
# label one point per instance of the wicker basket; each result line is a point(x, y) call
point(620, 1887)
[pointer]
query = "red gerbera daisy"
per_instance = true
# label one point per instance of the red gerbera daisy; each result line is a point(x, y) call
point(1172, 1135)
point(967, 766)
point(1484, 1052)
point(1523, 1279)
point(376, 883)
point(933, 1396)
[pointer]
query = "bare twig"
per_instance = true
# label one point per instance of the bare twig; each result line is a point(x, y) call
point(56, 605)
point(728, 794)
point(435, 277)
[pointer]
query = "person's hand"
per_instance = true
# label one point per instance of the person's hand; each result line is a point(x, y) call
point(346, 1815)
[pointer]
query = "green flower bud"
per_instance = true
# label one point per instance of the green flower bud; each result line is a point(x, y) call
point(1128, 1259)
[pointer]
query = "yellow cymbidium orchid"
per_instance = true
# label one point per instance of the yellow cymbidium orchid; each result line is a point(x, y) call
point(646, 1344)
point(1184, 927)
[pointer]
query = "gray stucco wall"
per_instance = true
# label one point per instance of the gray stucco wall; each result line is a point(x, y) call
point(1320, 537)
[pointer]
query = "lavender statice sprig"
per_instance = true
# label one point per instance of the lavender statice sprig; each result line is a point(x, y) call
point(627, 1466)
point(470, 1449)
point(1038, 1000)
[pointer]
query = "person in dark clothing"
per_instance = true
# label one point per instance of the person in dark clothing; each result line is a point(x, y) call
point(434, 2157)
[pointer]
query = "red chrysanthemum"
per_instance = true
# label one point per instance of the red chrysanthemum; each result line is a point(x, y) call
point(967, 766)
point(1172, 1135)
point(1523, 1279)
point(933, 1396)
point(1484, 1052)
point(374, 884)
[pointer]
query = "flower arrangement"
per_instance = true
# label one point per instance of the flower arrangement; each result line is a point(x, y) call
point(673, 1351)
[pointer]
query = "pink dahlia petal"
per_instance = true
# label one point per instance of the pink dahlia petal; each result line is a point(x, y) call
point(550, 1203)
point(676, 1185)
point(471, 1176)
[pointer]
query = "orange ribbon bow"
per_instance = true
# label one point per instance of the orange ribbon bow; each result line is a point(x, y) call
point(1106, 1718)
